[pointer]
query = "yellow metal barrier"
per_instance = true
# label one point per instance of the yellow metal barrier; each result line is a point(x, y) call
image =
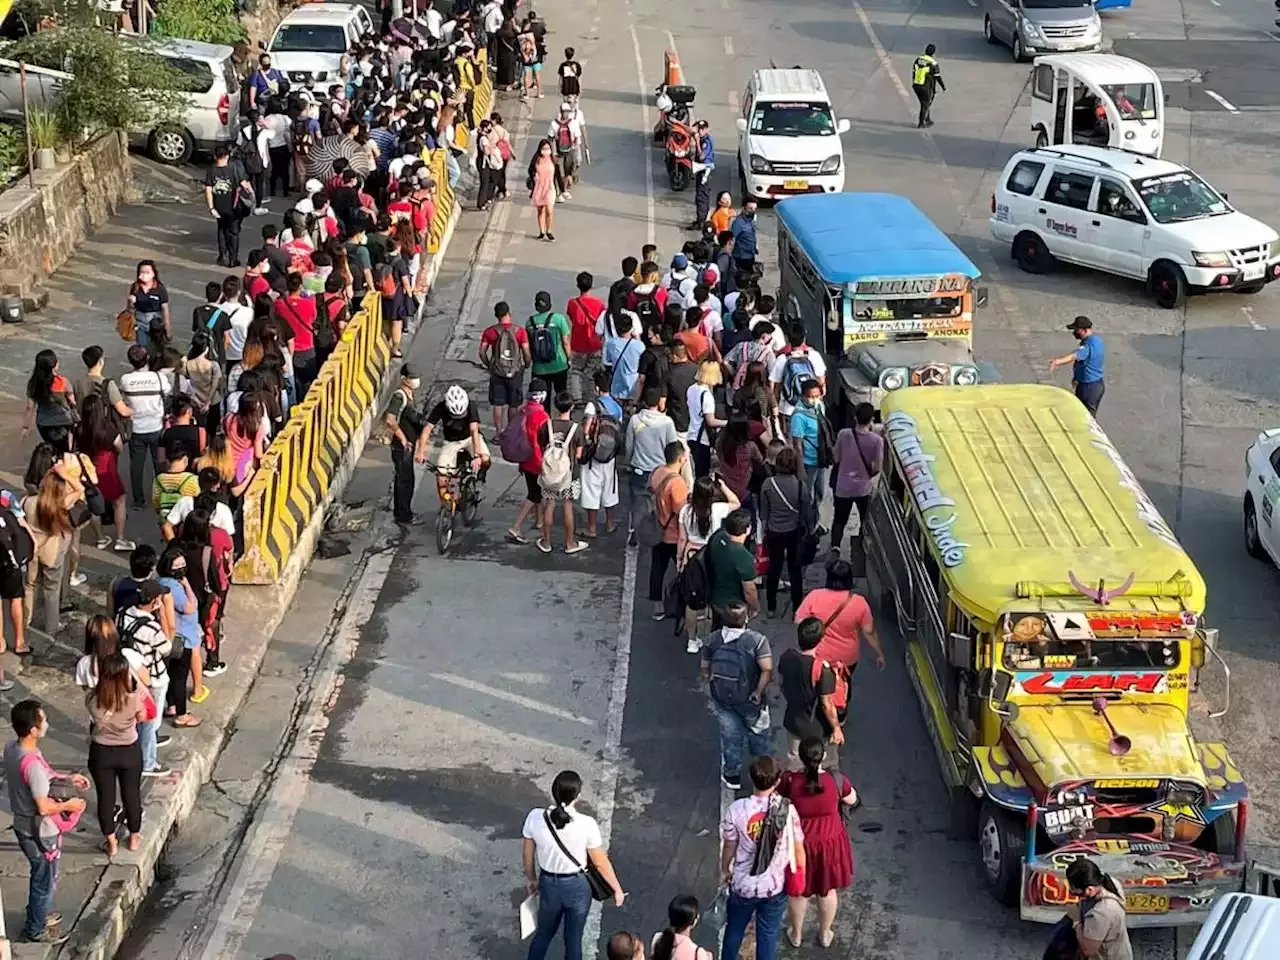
point(300, 465)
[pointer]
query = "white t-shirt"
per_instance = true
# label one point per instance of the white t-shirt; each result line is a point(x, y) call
point(701, 402)
point(493, 18)
point(222, 517)
point(239, 317)
point(711, 322)
point(575, 122)
point(278, 127)
point(778, 340)
point(87, 667)
point(581, 834)
point(779, 370)
point(719, 510)
point(144, 391)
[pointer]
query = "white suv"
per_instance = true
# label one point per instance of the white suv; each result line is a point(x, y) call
point(790, 138)
point(1261, 494)
point(1132, 215)
point(309, 43)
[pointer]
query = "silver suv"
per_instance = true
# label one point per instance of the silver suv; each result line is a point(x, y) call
point(1029, 27)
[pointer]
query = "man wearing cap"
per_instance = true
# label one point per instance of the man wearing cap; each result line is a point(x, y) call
point(706, 146)
point(141, 628)
point(680, 280)
point(404, 426)
point(1087, 362)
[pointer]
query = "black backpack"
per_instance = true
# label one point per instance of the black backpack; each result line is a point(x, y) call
point(542, 342)
point(247, 153)
point(608, 432)
point(16, 546)
point(647, 310)
point(695, 580)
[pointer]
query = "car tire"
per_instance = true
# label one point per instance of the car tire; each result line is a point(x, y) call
point(1015, 49)
point(1252, 541)
point(963, 814)
point(1042, 138)
point(1220, 836)
point(1168, 285)
point(1002, 840)
point(1030, 253)
point(989, 31)
point(171, 144)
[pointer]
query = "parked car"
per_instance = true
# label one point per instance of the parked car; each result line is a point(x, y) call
point(310, 41)
point(1261, 495)
point(213, 99)
point(1028, 27)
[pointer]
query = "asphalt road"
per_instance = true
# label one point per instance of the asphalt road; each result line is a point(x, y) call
point(464, 683)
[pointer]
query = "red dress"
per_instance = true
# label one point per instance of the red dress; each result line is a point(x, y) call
point(828, 852)
point(106, 464)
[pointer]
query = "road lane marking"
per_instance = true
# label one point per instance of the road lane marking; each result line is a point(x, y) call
point(728, 46)
point(1248, 315)
point(650, 207)
point(506, 695)
point(1222, 101)
point(269, 834)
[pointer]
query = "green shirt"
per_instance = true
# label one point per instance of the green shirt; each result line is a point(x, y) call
point(558, 323)
point(731, 565)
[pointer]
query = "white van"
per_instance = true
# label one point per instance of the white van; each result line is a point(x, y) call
point(1242, 926)
point(309, 43)
point(213, 101)
point(1137, 216)
point(790, 138)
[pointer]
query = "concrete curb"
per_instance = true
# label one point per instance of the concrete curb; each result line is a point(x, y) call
point(253, 614)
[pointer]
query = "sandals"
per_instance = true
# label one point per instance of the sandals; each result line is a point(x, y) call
point(793, 938)
point(201, 695)
point(542, 545)
point(826, 938)
point(513, 536)
point(111, 846)
point(186, 720)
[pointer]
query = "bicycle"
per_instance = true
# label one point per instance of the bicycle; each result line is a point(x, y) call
point(462, 492)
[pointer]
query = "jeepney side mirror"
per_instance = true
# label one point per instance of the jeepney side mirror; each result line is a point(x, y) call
point(742, 125)
point(843, 126)
point(960, 650)
point(980, 297)
point(1001, 684)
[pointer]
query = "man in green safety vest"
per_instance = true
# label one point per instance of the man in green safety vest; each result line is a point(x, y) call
point(925, 80)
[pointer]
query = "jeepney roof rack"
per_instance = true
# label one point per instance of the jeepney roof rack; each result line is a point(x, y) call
point(1069, 156)
point(1176, 587)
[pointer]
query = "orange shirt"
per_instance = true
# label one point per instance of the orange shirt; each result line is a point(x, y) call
point(668, 503)
point(696, 343)
point(721, 217)
point(840, 644)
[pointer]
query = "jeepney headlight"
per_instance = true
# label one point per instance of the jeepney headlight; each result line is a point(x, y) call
point(965, 376)
point(760, 165)
point(1183, 796)
point(1217, 259)
point(830, 165)
point(894, 378)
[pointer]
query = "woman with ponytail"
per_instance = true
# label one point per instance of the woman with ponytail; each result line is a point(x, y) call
point(818, 796)
point(558, 843)
point(1101, 933)
point(674, 942)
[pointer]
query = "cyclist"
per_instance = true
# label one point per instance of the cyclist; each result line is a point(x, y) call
point(460, 428)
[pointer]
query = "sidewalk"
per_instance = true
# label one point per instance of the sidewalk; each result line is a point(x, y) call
point(97, 897)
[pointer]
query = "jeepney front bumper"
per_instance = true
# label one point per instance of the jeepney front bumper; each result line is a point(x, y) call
point(1172, 887)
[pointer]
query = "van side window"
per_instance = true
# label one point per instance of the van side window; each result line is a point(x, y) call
point(1115, 202)
point(1070, 189)
point(196, 76)
point(1042, 83)
point(1024, 177)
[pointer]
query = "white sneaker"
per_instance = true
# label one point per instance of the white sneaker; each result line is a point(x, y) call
point(693, 646)
point(566, 196)
point(77, 579)
point(261, 211)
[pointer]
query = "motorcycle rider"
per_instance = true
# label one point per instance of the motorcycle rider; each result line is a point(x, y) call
point(704, 152)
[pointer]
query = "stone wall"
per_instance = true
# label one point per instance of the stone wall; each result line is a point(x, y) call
point(40, 228)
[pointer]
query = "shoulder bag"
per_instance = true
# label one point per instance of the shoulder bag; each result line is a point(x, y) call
point(601, 889)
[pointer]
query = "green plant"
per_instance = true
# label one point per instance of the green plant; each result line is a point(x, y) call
point(213, 21)
point(43, 124)
point(13, 151)
point(117, 82)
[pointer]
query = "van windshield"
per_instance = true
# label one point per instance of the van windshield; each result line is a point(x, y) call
point(1180, 196)
point(793, 120)
point(309, 38)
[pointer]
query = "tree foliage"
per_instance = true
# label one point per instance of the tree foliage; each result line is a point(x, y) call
point(213, 21)
point(118, 81)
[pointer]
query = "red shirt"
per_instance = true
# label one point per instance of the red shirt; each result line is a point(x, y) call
point(255, 284)
point(582, 313)
point(299, 313)
point(299, 251)
point(421, 212)
point(535, 416)
point(490, 335)
point(840, 644)
point(659, 297)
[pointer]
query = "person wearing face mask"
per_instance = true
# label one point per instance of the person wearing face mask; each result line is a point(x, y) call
point(743, 231)
point(1087, 362)
point(266, 83)
point(404, 424)
point(38, 819)
point(545, 183)
point(812, 438)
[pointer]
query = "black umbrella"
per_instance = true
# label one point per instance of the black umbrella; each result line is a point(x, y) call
point(320, 160)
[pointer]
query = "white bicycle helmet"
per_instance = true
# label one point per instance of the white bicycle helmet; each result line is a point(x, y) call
point(456, 401)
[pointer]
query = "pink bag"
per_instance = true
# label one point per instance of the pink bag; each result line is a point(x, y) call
point(65, 822)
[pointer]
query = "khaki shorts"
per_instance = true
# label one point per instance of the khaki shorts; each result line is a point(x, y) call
point(830, 762)
point(447, 459)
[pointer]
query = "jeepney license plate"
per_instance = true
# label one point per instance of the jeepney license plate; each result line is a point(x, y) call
point(795, 184)
point(1146, 903)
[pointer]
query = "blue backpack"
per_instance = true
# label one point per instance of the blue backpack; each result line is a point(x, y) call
point(734, 672)
point(795, 372)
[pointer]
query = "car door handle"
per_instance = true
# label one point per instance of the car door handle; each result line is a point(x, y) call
point(1097, 223)
point(1042, 209)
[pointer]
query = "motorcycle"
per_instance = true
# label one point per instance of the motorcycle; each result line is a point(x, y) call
point(675, 131)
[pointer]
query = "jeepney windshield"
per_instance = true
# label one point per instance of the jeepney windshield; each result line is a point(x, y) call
point(909, 309)
point(1045, 653)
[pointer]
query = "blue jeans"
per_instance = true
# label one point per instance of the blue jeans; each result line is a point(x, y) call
point(142, 327)
point(452, 167)
point(147, 731)
point(815, 479)
point(44, 879)
point(641, 499)
point(768, 912)
point(734, 732)
point(561, 898)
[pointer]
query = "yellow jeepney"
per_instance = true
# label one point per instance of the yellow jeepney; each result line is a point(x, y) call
point(1054, 634)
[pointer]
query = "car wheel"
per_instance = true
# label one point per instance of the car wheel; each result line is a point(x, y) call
point(1002, 840)
point(1168, 285)
point(1031, 254)
point(1252, 542)
point(1015, 49)
point(988, 31)
point(1042, 138)
point(1251, 288)
point(171, 144)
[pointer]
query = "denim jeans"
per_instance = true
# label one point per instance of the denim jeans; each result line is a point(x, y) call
point(140, 446)
point(561, 898)
point(768, 912)
point(815, 479)
point(142, 327)
point(44, 880)
point(147, 731)
point(641, 499)
point(734, 733)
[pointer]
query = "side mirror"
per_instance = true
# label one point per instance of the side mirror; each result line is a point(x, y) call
point(1226, 196)
point(980, 297)
point(959, 650)
point(1166, 96)
point(843, 126)
point(1001, 684)
point(742, 125)
point(262, 45)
